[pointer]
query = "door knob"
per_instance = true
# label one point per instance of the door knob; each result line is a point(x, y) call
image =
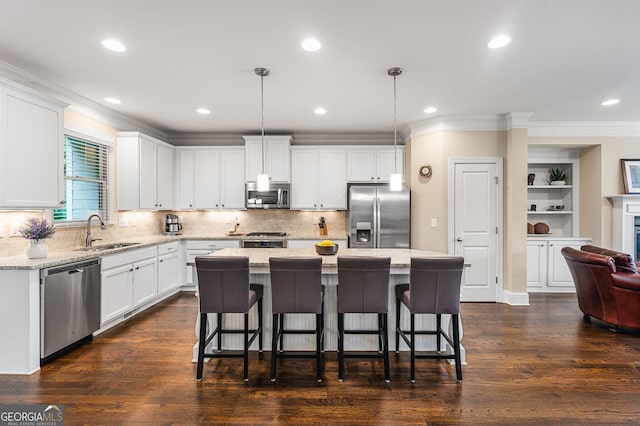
point(459, 239)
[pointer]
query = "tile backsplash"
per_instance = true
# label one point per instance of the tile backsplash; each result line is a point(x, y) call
point(129, 225)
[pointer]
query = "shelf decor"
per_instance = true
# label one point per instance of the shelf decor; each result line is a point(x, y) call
point(631, 175)
point(36, 230)
point(557, 177)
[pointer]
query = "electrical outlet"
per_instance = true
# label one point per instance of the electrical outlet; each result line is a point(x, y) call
point(316, 220)
point(132, 221)
point(13, 230)
point(227, 220)
point(1, 230)
point(434, 222)
point(123, 221)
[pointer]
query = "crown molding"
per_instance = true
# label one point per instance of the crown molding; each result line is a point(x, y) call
point(78, 103)
point(584, 129)
point(458, 124)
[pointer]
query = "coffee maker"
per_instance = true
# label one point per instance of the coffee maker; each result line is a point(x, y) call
point(172, 226)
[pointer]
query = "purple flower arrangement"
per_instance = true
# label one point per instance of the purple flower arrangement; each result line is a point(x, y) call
point(37, 229)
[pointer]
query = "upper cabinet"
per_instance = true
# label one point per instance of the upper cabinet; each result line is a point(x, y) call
point(210, 178)
point(31, 148)
point(145, 172)
point(318, 178)
point(553, 203)
point(374, 164)
point(277, 157)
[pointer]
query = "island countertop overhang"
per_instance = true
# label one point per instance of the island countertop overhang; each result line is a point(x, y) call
point(259, 257)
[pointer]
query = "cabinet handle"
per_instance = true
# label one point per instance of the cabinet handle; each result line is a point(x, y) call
point(137, 267)
point(62, 202)
point(190, 205)
point(321, 205)
point(212, 245)
point(131, 270)
point(371, 177)
point(223, 205)
point(161, 260)
point(160, 205)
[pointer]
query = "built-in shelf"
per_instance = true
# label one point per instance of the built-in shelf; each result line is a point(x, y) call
point(569, 212)
point(549, 186)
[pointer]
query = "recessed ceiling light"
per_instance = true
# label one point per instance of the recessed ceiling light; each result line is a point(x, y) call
point(311, 44)
point(203, 111)
point(113, 101)
point(610, 102)
point(430, 110)
point(320, 111)
point(114, 45)
point(499, 41)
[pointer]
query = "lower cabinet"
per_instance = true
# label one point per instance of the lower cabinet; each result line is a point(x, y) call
point(196, 248)
point(129, 279)
point(169, 267)
point(547, 271)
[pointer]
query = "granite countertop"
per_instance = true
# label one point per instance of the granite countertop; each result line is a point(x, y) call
point(60, 257)
point(259, 257)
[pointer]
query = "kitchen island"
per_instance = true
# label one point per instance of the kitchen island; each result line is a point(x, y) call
point(259, 273)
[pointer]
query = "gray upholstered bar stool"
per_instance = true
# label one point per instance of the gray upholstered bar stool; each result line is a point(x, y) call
point(434, 288)
point(363, 287)
point(296, 288)
point(223, 287)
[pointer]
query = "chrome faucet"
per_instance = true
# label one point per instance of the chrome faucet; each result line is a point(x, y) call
point(89, 240)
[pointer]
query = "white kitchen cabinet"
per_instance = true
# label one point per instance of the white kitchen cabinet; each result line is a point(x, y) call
point(31, 148)
point(129, 280)
point(194, 248)
point(145, 172)
point(547, 271)
point(169, 267)
point(277, 160)
point(115, 298)
point(210, 178)
point(374, 164)
point(185, 188)
point(318, 178)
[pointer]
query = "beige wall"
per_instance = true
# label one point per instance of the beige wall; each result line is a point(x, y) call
point(429, 196)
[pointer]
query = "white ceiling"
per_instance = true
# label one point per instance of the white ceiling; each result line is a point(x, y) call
point(566, 56)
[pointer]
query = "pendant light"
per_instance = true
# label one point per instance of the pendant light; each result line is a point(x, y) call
point(395, 180)
point(263, 178)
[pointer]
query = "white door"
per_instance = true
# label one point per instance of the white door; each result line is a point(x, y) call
point(476, 226)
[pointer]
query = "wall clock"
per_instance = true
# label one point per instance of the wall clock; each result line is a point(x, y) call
point(425, 170)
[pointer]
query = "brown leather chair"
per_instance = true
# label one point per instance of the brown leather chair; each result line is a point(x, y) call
point(363, 287)
point(223, 287)
point(434, 288)
point(296, 288)
point(604, 291)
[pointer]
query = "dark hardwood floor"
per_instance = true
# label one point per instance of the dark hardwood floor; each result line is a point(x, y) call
point(539, 364)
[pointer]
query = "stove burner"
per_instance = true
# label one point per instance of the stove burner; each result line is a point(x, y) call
point(266, 234)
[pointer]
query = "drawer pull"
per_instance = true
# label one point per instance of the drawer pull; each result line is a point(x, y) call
point(467, 265)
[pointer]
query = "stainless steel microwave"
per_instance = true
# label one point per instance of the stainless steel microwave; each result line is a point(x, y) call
point(277, 197)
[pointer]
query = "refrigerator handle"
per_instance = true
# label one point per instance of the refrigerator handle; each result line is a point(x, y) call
point(376, 225)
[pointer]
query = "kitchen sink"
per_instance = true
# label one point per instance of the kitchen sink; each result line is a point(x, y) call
point(104, 247)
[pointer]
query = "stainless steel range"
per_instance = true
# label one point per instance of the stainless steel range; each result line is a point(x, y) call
point(263, 239)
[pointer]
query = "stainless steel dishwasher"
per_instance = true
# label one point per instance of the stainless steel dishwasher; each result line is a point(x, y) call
point(69, 306)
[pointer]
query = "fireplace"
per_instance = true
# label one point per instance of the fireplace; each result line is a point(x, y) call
point(625, 235)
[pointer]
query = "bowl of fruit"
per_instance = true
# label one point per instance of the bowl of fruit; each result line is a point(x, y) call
point(326, 247)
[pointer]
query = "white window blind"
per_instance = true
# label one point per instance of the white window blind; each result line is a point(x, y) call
point(86, 168)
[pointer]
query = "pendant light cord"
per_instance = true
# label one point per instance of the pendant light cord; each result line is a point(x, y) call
point(262, 121)
point(395, 129)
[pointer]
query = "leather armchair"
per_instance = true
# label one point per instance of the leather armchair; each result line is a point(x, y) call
point(604, 292)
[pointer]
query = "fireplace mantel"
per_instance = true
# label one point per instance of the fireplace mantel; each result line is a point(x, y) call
point(625, 209)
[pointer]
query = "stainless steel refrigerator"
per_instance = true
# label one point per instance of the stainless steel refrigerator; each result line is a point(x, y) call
point(378, 217)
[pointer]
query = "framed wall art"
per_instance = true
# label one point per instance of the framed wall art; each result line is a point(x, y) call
point(631, 175)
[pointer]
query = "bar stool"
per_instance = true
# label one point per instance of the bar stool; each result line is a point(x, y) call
point(434, 288)
point(296, 288)
point(363, 287)
point(223, 287)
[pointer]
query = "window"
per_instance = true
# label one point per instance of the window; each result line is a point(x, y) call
point(86, 181)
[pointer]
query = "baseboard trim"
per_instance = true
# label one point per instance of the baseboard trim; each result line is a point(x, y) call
point(515, 298)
